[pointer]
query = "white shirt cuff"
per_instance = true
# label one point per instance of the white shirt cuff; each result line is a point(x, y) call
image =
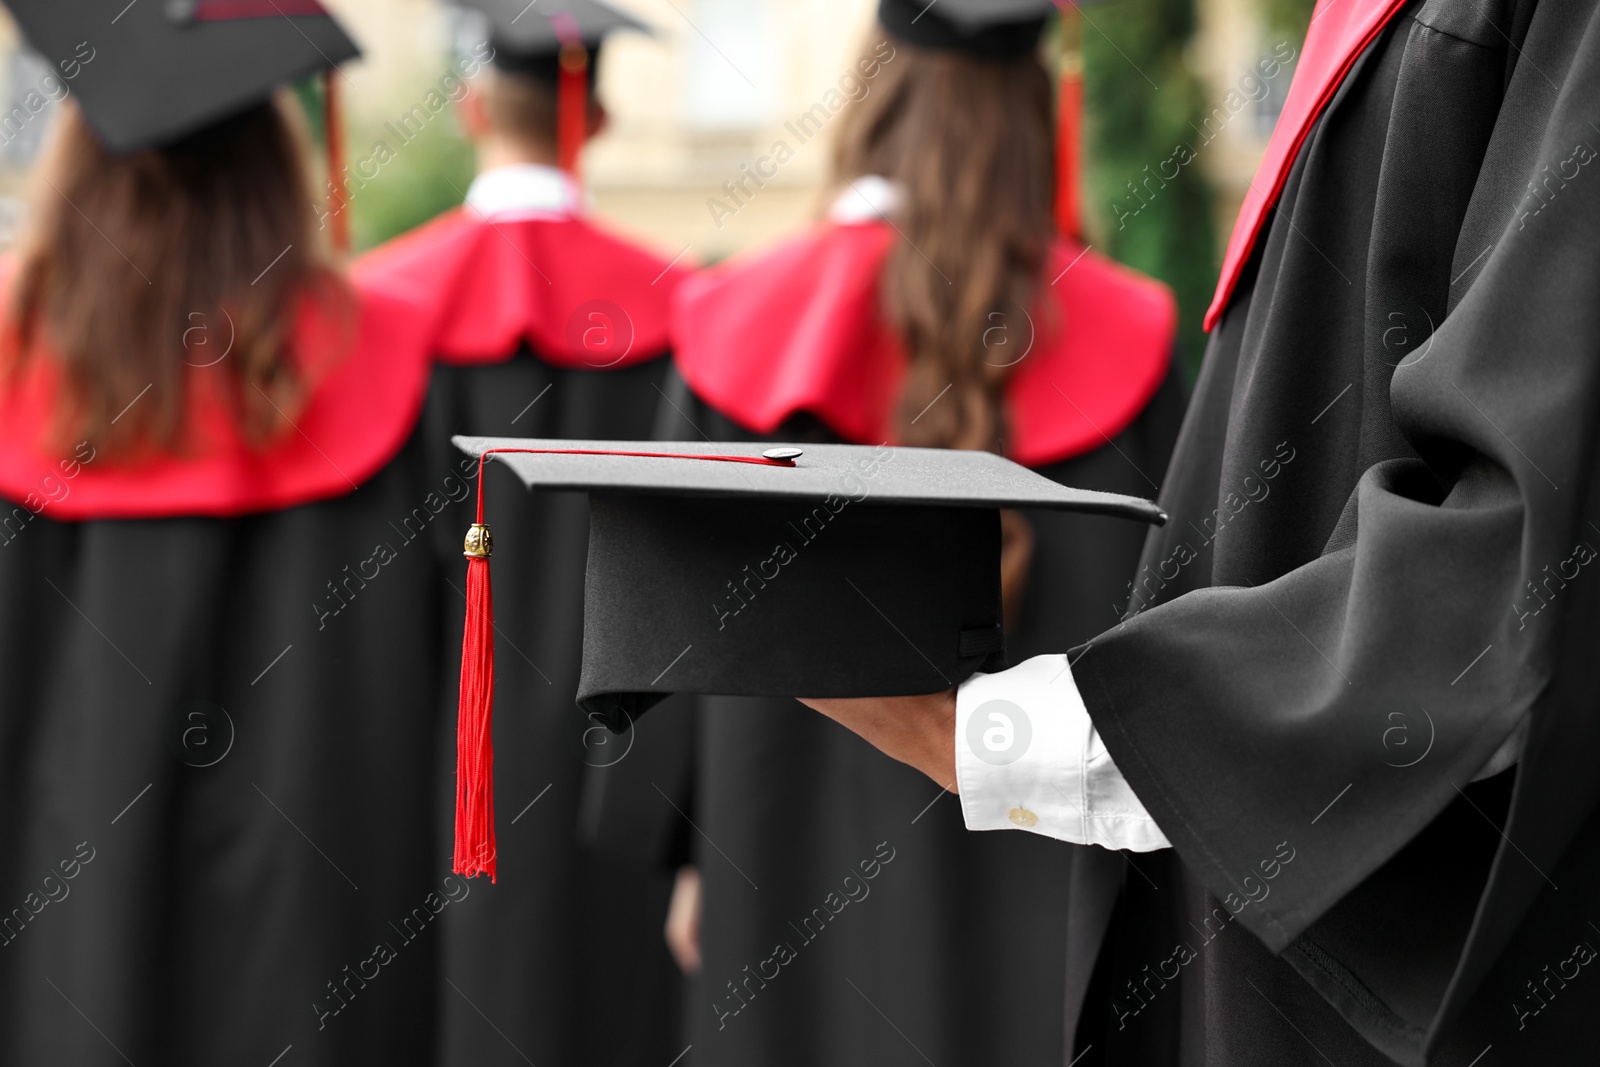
point(1028, 757)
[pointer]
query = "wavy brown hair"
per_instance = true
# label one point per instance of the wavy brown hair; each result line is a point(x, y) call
point(971, 142)
point(137, 267)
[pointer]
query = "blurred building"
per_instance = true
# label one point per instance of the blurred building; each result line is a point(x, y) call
point(715, 89)
point(708, 93)
point(1233, 42)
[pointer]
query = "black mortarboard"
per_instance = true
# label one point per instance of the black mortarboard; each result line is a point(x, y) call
point(148, 74)
point(986, 27)
point(744, 569)
point(528, 38)
point(893, 586)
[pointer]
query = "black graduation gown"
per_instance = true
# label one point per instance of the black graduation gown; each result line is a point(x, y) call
point(1383, 505)
point(218, 753)
point(532, 951)
point(522, 961)
point(954, 948)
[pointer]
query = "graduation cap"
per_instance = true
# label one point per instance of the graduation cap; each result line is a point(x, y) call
point(164, 69)
point(832, 571)
point(985, 27)
point(557, 42)
point(1000, 28)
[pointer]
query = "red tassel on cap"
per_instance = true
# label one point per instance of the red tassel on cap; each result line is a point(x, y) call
point(475, 847)
point(1069, 128)
point(333, 131)
point(572, 106)
point(475, 850)
point(1069, 151)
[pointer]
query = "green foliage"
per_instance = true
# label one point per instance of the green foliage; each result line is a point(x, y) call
point(426, 175)
point(1142, 102)
point(399, 179)
point(308, 93)
point(1287, 19)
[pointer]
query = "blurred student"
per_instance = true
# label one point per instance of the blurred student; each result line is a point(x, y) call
point(543, 324)
point(936, 305)
point(219, 656)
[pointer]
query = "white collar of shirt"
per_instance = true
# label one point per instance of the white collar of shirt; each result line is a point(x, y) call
point(526, 190)
point(866, 199)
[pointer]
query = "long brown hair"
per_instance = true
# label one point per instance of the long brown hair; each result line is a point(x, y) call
point(136, 265)
point(970, 140)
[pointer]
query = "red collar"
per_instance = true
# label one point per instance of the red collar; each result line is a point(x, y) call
point(800, 329)
point(577, 295)
point(1340, 31)
point(368, 375)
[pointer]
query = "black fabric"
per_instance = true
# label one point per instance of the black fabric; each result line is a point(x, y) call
point(1382, 511)
point(622, 814)
point(876, 474)
point(538, 962)
point(959, 938)
point(983, 27)
point(780, 596)
point(144, 78)
point(218, 746)
point(227, 775)
point(527, 40)
point(523, 30)
point(542, 67)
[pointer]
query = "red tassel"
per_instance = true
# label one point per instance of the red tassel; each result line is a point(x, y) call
point(1069, 130)
point(475, 848)
point(572, 106)
point(333, 134)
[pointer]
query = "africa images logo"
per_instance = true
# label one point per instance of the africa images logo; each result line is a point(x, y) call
point(999, 732)
point(600, 333)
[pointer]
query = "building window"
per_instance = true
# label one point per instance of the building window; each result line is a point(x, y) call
point(733, 64)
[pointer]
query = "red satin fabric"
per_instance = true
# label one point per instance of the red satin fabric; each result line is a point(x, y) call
point(229, 10)
point(580, 297)
point(1340, 31)
point(368, 375)
point(800, 329)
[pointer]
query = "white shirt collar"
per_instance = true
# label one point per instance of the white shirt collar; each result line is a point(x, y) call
point(527, 190)
point(866, 199)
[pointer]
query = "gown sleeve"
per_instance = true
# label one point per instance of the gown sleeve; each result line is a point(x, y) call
point(1455, 590)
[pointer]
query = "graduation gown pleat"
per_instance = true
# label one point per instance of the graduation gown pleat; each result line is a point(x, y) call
point(543, 326)
point(218, 741)
point(1383, 505)
point(533, 951)
point(848, 917)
